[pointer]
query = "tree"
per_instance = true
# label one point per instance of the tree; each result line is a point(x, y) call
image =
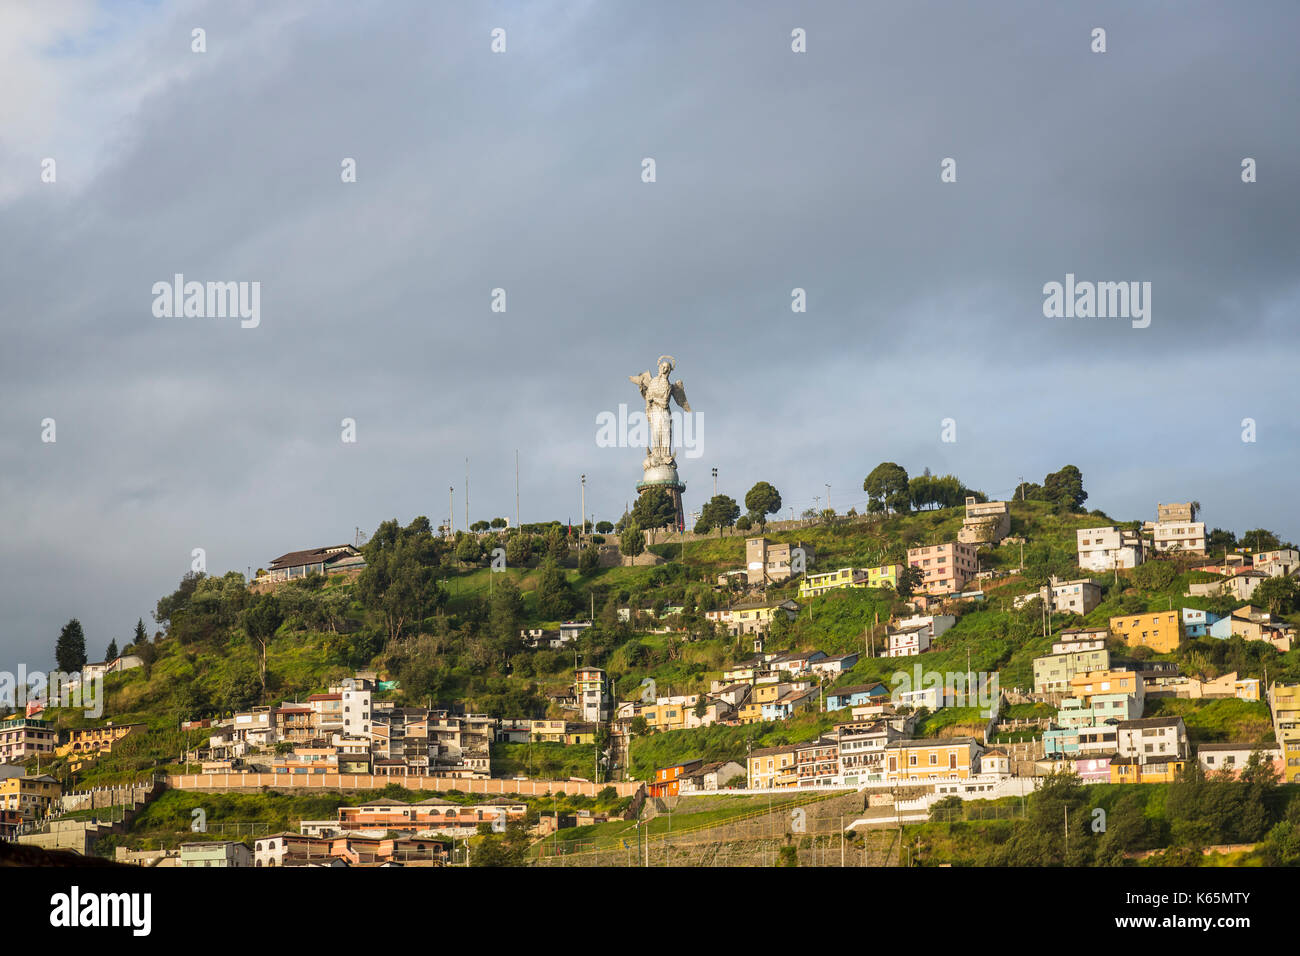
point(480, 526)
point(1064, 489)
point(760, 501)
point(399, 578)
point(589, 561)
point(518, 549)
point(1220, 540)
point(721, 512)
point(909, 579)
point(632, 541)
point(743, 523)
point(141, 636)
point(111, 653)
point(261, 620)
point(468, 548)
point(499, 522)
point(70, 649)
point(505, 612)
point(887, 488)
point(1261, 539)
point(241, 689)
point(604, 527)
point(1278, 594)
point(654, 509)
point(554, 598)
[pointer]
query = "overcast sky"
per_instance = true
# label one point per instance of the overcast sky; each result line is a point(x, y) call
point(522, 170)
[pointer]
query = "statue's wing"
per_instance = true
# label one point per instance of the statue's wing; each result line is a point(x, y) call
point(641, 381)
point(679, 396)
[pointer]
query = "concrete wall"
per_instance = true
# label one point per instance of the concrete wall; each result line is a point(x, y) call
point(215, 782)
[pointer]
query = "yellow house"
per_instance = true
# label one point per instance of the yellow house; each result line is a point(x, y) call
point(580, 734)
point(92, 741)
point(1132, 770)
point(548, 731)
point(1162, 631)
point(752, 711)
point(927, 760)
point(1085, 686)
point(885, 576)
point(30, 796)
point(772, 767)
point(666, 716)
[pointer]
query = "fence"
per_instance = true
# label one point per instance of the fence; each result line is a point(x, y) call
point(349, 781)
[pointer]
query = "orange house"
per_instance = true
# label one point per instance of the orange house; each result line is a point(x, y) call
point(668, 780)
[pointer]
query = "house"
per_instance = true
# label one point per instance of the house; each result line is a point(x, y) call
point(858, 694)
point(710, 777)
point(1152, 770)
point(1197, 623)
point(1162, 631)
point(1252, 624)
point(986, 522)
point(289, 849)
point(1232, 758)
point(1125, 682)
point(540, 637)
point(28, 795)
point(751, 618)
point(791, 703)
point(1152, 738)
point(670, 713)
point(764, 697)
point(570, 631)
point(945, 568)
point(796, 662)
point(222, 853)
point(667, 781)
point(1278, 563)
point(338, 559)
point(771, 768)
point(833, 667)
point(932, 759)
point(547, 731)
point(1074, 597)
point(913, 635)
point(1240, 585)
point(1106, 548)
point(815, 585)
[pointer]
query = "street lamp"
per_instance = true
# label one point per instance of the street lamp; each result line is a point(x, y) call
point(715, 482)
point(582, 515)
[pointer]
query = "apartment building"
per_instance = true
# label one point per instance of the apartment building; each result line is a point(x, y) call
point(23, 737)
point(1284, 703)
point(1053, 672)
point(1185, 537)
point(769, 563)
point(1086, 686)
point(862, 750)
point(914, 635)
point(771, 767)
point(1103, 549)
point(817, 762)
point(595, 700)
point(1162, 631)
point(929, 760)
point(945, 568)
point(986, 522)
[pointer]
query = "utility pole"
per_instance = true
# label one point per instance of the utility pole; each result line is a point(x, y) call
point(516, 487)
point(715, 482)
point(466, 494)
point(451, 511)
point(582, 527)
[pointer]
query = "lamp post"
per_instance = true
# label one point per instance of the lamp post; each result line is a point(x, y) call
point(715, 482)
point(582, 515)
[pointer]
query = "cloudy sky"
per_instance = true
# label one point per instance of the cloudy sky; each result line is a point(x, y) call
point(522, 170)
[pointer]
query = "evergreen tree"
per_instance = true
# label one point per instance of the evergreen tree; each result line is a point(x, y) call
point(70, 650)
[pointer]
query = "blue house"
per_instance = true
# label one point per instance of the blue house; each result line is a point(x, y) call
point(857, 695)
point(1197, 623)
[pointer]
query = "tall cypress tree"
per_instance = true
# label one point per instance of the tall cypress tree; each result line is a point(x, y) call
point(70, 650)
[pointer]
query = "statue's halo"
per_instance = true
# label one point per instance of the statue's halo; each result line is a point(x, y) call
point(671, 361)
